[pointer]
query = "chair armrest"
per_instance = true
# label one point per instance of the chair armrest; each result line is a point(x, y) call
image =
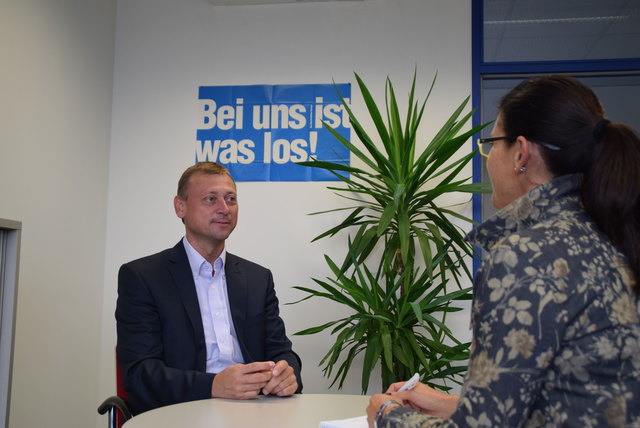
point(117, 403)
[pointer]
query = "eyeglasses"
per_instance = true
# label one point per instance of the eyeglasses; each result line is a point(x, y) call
point(485, 144)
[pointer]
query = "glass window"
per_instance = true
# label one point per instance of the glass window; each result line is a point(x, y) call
point(618, 92)
point(552, 30)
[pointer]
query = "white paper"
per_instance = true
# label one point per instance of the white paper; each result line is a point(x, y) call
point(357, 422)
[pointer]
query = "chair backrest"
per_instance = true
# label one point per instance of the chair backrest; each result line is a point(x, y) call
point(116, 406)
point(120, 391)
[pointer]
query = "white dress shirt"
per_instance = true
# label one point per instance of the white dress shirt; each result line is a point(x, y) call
point(221, 342)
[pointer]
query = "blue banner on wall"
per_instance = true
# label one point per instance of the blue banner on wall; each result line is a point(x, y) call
point(260, 132)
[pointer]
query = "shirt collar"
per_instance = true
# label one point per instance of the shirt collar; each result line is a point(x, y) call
point(535, 206)
point(196, 260)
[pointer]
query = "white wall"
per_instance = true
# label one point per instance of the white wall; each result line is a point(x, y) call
point(165, 49)
point(55, 115)
point(74, 173)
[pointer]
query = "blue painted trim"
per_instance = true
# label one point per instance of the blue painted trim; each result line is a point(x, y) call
point(477, 46)
point(613, 65)
point(480, 68)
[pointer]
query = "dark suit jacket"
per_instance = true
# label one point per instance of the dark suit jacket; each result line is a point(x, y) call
point(161, 345)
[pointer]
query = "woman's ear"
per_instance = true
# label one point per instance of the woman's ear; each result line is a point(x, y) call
point(522, 154)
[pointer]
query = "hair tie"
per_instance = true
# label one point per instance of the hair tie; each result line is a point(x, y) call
point(598, 130)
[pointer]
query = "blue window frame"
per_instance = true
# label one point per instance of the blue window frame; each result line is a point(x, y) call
point(624, 13)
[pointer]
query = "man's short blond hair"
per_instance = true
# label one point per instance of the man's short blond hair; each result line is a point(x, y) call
point(200, 167)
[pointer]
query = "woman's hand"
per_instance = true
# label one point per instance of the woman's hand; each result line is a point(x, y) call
point(425, 399)
point(374, 405)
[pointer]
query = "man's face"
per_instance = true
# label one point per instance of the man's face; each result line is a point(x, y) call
point(210, 210)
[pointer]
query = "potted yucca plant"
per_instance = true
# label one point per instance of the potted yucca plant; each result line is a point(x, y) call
point(399, 295)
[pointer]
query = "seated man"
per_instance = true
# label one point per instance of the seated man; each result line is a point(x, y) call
point(196, 322)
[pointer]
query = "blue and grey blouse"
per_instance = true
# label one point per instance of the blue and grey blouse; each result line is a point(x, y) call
point(556, 328)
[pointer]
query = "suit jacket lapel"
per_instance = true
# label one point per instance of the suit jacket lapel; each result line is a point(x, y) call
point(237, 291)
point(183, 280)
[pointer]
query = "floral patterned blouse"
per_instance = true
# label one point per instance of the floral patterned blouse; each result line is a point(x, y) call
point(556, 329)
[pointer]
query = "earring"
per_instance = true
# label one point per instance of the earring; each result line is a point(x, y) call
point(522, 169)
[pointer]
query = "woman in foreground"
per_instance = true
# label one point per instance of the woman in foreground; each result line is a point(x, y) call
point(556, 329)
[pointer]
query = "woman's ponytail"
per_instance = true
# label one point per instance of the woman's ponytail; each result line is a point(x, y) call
point(611, 189)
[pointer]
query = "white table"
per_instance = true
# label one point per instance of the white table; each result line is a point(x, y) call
point(298, 411)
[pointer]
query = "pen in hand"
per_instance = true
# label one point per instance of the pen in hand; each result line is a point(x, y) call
point(410, 384)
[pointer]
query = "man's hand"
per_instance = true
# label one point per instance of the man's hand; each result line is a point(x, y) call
point(243, 381)
point(283, 382)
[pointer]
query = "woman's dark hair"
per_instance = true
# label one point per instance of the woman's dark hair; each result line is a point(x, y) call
point(564, 112)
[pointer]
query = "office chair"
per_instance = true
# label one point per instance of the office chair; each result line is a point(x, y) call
point(116, 405)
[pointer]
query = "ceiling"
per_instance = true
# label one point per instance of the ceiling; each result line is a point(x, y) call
point(246, 2)
point(543, 30)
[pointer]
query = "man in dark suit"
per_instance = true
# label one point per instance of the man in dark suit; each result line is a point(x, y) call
point(196, 322)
